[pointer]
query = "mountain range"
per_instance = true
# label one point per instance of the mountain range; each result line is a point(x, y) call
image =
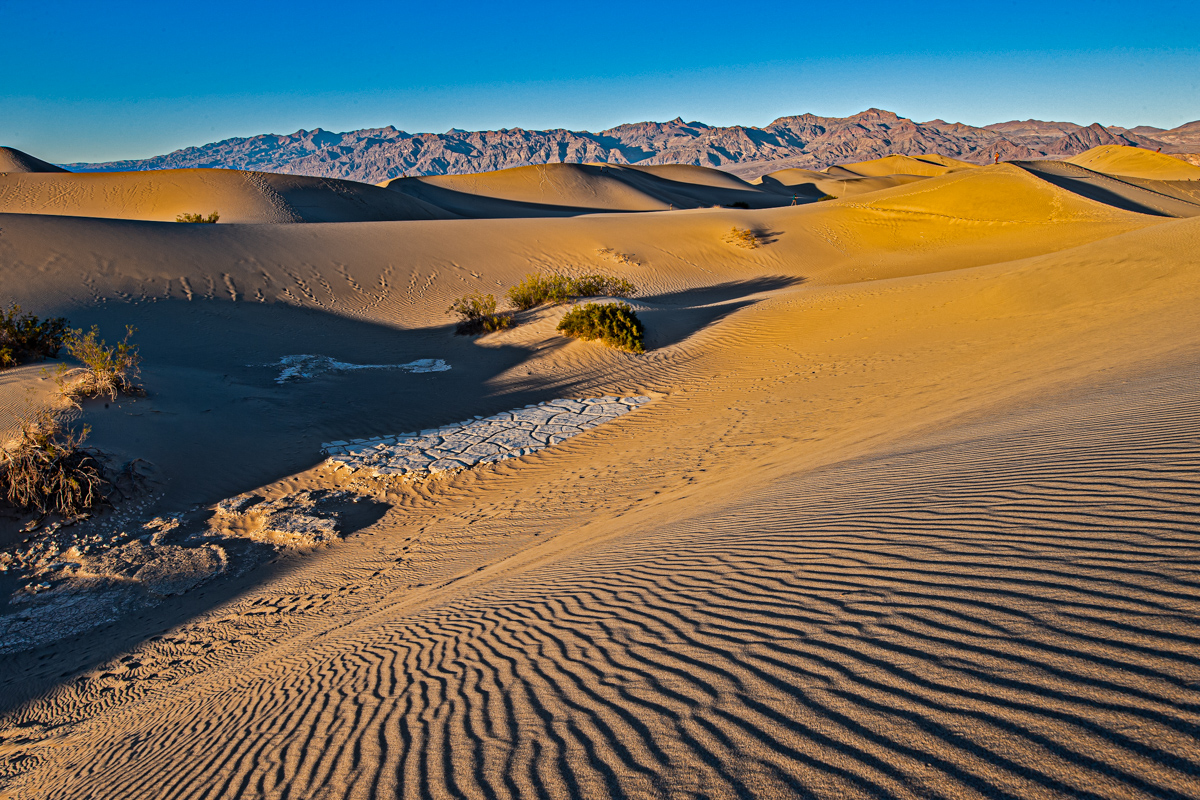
point(374, 155)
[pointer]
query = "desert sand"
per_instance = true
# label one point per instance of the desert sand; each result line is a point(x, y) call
point(910, 512)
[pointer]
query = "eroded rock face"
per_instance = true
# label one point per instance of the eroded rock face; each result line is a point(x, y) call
point(479, 441)
point(379, 154)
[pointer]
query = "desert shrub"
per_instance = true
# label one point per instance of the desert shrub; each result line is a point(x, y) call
point(826, 197)
point(106, 371)
point(615, 324)
point(211, 219)
point(477, 314)
point(538, 289)
point(628, 259)
point(742, 237)
point(24, 337)
point(46, 469)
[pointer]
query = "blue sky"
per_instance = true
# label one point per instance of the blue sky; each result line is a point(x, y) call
point(91, 82)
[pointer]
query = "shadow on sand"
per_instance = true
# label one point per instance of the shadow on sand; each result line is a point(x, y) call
point(216, 422)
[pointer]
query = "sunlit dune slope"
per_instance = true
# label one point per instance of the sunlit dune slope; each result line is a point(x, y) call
point(237, 195)
point(13, 160)
point(1134, 162)
point(568, 189)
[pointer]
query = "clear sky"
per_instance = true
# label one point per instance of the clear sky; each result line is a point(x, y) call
point(93, 82)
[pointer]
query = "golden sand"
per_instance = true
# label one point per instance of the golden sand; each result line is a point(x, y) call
point(911, 514)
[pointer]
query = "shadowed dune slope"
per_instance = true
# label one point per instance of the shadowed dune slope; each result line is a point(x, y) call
point(569, 189)
point(13, 160)
point(239, 197)
point(927, 536)
point(1134, 162)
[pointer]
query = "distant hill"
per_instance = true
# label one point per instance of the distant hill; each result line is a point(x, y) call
point(807, 141)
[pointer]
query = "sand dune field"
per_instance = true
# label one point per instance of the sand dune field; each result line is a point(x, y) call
point(911, 511)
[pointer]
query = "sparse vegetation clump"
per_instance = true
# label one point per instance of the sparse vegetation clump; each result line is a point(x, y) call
point(538, 289)
point(614, 324)
point(628, 259)
point(211, 219)
point(477, 314)
point(25, 338)
point(106, 371)
point(825, 197)
point(743, 237)
point(46, 469)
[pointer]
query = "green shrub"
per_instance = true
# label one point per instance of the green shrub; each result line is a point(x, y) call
point(538, 289)
point(106, 371)
point(825, 197)
point(743, 237)
point(477, 314)
point(47, 470)
point(615, 324)
point(211, 219)
point(24, 337)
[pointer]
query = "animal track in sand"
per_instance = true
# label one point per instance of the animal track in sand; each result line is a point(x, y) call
point(482, 440)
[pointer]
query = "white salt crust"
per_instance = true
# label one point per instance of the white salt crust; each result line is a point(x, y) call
point(479, 441)
point(301, 367)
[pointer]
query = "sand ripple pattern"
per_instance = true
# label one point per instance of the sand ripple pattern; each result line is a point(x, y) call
point(480, 441)
point(1013, 615)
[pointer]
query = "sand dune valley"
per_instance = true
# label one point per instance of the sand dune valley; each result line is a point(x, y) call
point(902, 498)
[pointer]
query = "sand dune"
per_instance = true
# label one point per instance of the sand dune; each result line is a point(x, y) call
point(846, 180)
point(806, 184)
point(1163, 198)
point(12, 160)
point(927, 166)
point(1133, 162)
point(568, 189)
point(238, 196)
point(910, 514)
